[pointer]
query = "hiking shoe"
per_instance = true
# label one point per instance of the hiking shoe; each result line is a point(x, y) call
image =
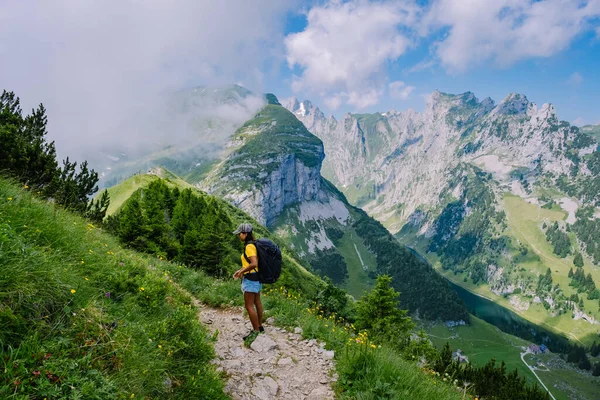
point(261, 329)
point(252, 335)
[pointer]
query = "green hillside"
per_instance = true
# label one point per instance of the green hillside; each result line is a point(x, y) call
point(82, 318)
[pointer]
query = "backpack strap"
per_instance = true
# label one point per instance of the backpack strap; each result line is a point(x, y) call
point(246, 256)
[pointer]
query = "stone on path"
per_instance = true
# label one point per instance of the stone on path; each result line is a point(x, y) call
point(278, 365)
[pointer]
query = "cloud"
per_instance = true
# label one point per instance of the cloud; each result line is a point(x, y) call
point(575, 79)
point(102, 67)
point(344, 49)
point(579, 121)
point(399, 90)
point(421, 66)
point(505, 31)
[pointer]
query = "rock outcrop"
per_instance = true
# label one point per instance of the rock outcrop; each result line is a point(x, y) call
point(395, 163)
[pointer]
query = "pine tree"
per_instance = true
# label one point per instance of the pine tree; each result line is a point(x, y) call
point(578, 260)
point(97, 208)
point(378, 312)
point(132, 223)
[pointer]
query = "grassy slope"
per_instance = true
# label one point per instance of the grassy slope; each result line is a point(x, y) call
point(482, 341)
point(64, 336)
point(121, 192)
point(358, 281)
point(523, 224)
point(523, 221)
point(563, 380)
point(144, 340)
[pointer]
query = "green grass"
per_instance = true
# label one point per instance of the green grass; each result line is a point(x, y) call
point(563, 380)
point(62, 336)
point(481, 342)
point(121, 192)
point(358, 281)
point(82, 318)
point(523, 224)
point(364, 372)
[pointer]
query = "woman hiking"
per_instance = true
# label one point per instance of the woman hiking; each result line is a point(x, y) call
point(249, 276)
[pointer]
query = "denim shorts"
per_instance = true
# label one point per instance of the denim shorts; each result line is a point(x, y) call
point(251, 286)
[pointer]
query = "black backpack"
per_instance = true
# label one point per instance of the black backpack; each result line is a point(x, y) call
point(269, 261)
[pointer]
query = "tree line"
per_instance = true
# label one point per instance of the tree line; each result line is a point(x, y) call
point(424, 291)
point(27, 156)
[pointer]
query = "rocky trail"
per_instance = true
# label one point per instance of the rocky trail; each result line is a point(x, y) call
point(278, 365)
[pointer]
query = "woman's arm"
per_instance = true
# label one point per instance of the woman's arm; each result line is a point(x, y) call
point(253, 264)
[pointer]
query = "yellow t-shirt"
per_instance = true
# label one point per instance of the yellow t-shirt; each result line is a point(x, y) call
point(250, 251)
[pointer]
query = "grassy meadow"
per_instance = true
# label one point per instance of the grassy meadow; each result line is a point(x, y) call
point(82, 317)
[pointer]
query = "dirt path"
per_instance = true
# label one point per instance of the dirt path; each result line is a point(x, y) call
point(278, 365)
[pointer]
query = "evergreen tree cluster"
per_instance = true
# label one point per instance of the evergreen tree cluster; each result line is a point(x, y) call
point(559, 239)
point(587, 229)
point(423, 290)
point(490, 381)
point(26, 156)
point(184, 226)
point(584, 283)
point(577, 355)
point(330, 263)
point(545, 282)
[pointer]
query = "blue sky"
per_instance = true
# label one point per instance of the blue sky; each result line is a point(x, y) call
point(102, 67)
point(562, 70)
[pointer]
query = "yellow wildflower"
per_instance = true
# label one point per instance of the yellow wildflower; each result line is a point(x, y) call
point(25, 187)
point(373, 346)
point(73, 291)
point(10, 199)
point(142, 289)
point(86, 279)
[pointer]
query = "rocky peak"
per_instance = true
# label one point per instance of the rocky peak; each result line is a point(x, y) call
point(292, 104)
point(513, 104)
point(273, 162)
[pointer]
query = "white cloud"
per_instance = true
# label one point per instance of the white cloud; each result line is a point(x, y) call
point(400, 90)
point(421, 66)
point(345, 47)
point(100, 66)
point(575, 79)
point(505, 31)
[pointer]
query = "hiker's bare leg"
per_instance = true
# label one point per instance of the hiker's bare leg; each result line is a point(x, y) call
point(249, 302)
point(259, 308)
